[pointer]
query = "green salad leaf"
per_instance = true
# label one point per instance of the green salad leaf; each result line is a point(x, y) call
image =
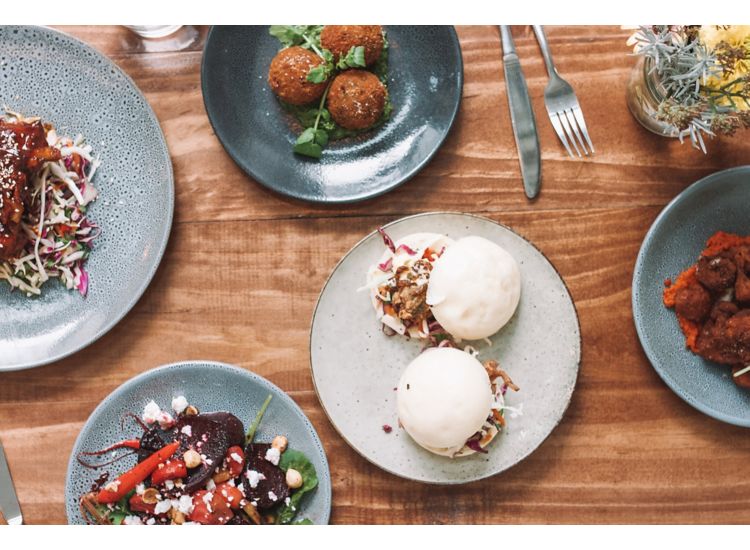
point(298, 461)
point(354, 58)
point(297, 35)
point(258, 417)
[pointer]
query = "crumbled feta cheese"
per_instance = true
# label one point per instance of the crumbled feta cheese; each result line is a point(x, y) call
point(185, 504)
point(162, 507)
point(210, 485)
point(140, 489)
point(209, 461)
point(187, 430)
point(273, 456)
point(241, 487)
point(165, 420)
point(151, 412)
point(169, 484)
point(208, 497)
point(287, 501)
point(236, 457)
point(272, 496)
point(254, 478)
point(150, 521)
point(132, 520)
point(179, 404)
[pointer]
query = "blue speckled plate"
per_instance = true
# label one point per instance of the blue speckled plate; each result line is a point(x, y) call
point(674, 242)
point(210, 386)
point(425, 82)
point(355, 366)
point(49, 74)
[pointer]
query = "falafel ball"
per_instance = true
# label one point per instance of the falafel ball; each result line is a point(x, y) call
point(287, 76)
point(339, 39)
point(356, 99)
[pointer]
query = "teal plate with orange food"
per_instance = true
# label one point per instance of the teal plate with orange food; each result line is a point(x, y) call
point(678, 235)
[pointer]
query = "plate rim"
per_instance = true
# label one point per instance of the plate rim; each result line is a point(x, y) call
point(636, 294)
point(249, 171)
point(198, 363)
point(158, 256)
point(558, 420)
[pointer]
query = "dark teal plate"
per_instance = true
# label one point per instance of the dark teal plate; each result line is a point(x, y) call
point(674, 242)
point(425, 82)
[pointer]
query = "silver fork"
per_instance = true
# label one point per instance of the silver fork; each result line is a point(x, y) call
point(562, 104)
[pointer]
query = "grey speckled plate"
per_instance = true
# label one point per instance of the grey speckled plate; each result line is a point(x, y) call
point(210, 386)
point(49, 74)
point(674, 242)
point(425, 83)
point(356, 367)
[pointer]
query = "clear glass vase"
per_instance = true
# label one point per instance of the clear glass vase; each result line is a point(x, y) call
point(644, 94)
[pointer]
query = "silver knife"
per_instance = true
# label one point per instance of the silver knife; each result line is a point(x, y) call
point(521, 116)
point(8, 500)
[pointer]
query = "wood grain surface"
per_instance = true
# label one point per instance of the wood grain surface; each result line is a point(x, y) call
point(627, 451)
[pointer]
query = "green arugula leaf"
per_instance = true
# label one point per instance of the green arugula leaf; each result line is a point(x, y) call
point(318, 74)
point(308, 136)
point(321, 137)
point(308, 149)
point(298, 461)
point(297, 35)
point(256, 422)
point(354, 58)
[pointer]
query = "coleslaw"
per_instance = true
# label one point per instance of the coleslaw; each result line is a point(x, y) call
point(60, 234)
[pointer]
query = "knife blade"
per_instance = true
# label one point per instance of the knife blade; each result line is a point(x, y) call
point(521, 116)
point(8, 500)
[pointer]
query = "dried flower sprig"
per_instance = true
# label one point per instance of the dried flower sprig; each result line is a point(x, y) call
point(704, 75)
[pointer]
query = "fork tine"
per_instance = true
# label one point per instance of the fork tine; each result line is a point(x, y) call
point(568, 131)
point(558, 128)
point(574, 126)
point(582, 123)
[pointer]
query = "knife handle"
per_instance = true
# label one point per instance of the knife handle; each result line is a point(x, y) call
point(507, 39)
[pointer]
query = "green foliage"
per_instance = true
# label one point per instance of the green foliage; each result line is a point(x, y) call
point(298, 461)
point(258, 417)
point(354, 59)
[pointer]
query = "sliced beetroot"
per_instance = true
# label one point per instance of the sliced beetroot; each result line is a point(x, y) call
point(274, 482)
point(153, 440)
point(209, 439)
point(232, 424)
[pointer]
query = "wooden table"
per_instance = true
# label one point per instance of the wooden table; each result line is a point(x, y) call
point(244, 267)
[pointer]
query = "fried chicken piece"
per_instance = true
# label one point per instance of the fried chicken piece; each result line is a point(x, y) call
point(693, 302)
point(23, 151)
point(716, 273)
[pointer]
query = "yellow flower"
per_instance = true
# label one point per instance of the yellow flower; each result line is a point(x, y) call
point(735, 36)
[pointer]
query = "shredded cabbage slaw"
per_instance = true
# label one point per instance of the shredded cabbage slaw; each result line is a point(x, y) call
point(60, 234)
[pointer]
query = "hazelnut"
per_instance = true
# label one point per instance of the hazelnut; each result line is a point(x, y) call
point(221, 476)
point(178, 518)
point(150, 496)
point(252, 513)
point(279, 442)
point(190, 411)
point(293, 479)
point(192, 458)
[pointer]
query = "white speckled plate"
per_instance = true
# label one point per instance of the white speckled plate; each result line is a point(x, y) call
point(71, 85)
point(210, 386)
point(356, 366)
